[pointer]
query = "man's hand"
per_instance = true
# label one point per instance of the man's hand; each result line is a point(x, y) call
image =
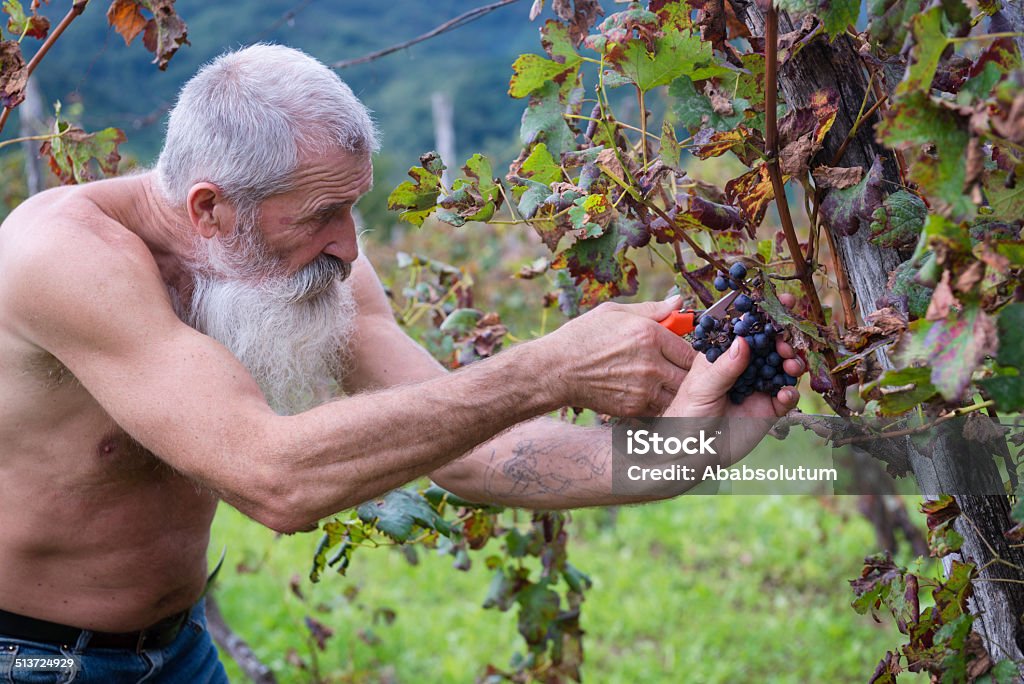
point(616, 359)
point(703, 393)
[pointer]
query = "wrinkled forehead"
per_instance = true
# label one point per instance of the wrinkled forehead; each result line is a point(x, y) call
point(338, 170)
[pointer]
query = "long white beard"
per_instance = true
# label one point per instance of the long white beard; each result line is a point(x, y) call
point(291, 332)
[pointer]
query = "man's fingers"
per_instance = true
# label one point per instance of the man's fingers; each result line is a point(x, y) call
point(785, 401)
point(654, 310)
point(678, 351)
point(712, 380)
point(793, 366)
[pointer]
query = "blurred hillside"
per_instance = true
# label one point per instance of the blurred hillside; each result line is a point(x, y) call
point(118, 86)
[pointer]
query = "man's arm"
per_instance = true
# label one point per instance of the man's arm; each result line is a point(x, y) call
point(94, 298)
point(546, 463)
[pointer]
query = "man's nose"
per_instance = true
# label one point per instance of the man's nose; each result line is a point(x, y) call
point(343, 244)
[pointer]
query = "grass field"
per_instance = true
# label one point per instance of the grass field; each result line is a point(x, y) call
point(698, 589)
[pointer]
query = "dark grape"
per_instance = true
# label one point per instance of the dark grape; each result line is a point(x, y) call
point(764, 372)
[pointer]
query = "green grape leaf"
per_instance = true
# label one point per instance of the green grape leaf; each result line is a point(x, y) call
point(71, 152)
point(1010, 325)
point(532, 197)
point(979, 87)
point(13, 74)
point(694, 111)
point(538, 608)
point(501, 592)
point(473, 198)
point(879, 579)
point(1006, 389)
point(900, 390)
point(540, 166)
point(674, 54)
point(590, 215)
point(941, 135)
point(400, 512)
point(951, 596)
point(1006, 203)
point(783, 316)
point(32, 25)
point(903, 284)
point(334, 532)
point(669, 149)
point(1005, 671)
point(461, 322)
point(543, 120)
point(600, 267)
point(621, 27)
point(532, 72)
point(938, 230)
point(898, 222)
point(930, 41)
point(954, 346)
point(845, 210)
point(558, 43)
point(835, 15)
point(418, 198)
point(888, 21)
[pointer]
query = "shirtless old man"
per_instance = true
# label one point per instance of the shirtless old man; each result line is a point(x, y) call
point(164, 340)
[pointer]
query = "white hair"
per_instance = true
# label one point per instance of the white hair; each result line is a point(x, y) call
point(245, 120)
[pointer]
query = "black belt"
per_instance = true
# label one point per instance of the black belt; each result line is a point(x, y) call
point(159, 635)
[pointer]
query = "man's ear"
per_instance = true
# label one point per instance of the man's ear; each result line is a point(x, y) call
point(211, 214)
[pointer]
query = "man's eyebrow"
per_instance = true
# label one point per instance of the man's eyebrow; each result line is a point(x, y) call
point(323, 212)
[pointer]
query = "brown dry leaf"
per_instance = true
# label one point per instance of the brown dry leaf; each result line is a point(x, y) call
point(971, 276)
point(13, 74)
point(999, 263)
point(887, 320)
point(165, 32)
point(942, 301)
point(126, 18)
point(981, 428)
point(795, 156)
point(838, 177)
point(608, 161)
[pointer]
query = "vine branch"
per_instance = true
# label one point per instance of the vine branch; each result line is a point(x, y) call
point(771, 49)
point(451, 24)
point(76, 9)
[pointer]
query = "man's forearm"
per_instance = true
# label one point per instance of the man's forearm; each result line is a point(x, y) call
point(541, 464)
point(351, 450)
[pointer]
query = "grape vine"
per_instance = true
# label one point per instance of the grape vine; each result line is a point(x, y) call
point(618, 116)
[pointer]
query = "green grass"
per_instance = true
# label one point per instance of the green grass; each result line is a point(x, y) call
point(697, 589)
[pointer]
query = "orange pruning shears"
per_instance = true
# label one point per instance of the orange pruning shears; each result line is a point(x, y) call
point(684, 321)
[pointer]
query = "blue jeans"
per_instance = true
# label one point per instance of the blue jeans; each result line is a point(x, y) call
point(191, 659)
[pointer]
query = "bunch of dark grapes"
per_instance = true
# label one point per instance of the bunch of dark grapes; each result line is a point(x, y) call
point(712, 337)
